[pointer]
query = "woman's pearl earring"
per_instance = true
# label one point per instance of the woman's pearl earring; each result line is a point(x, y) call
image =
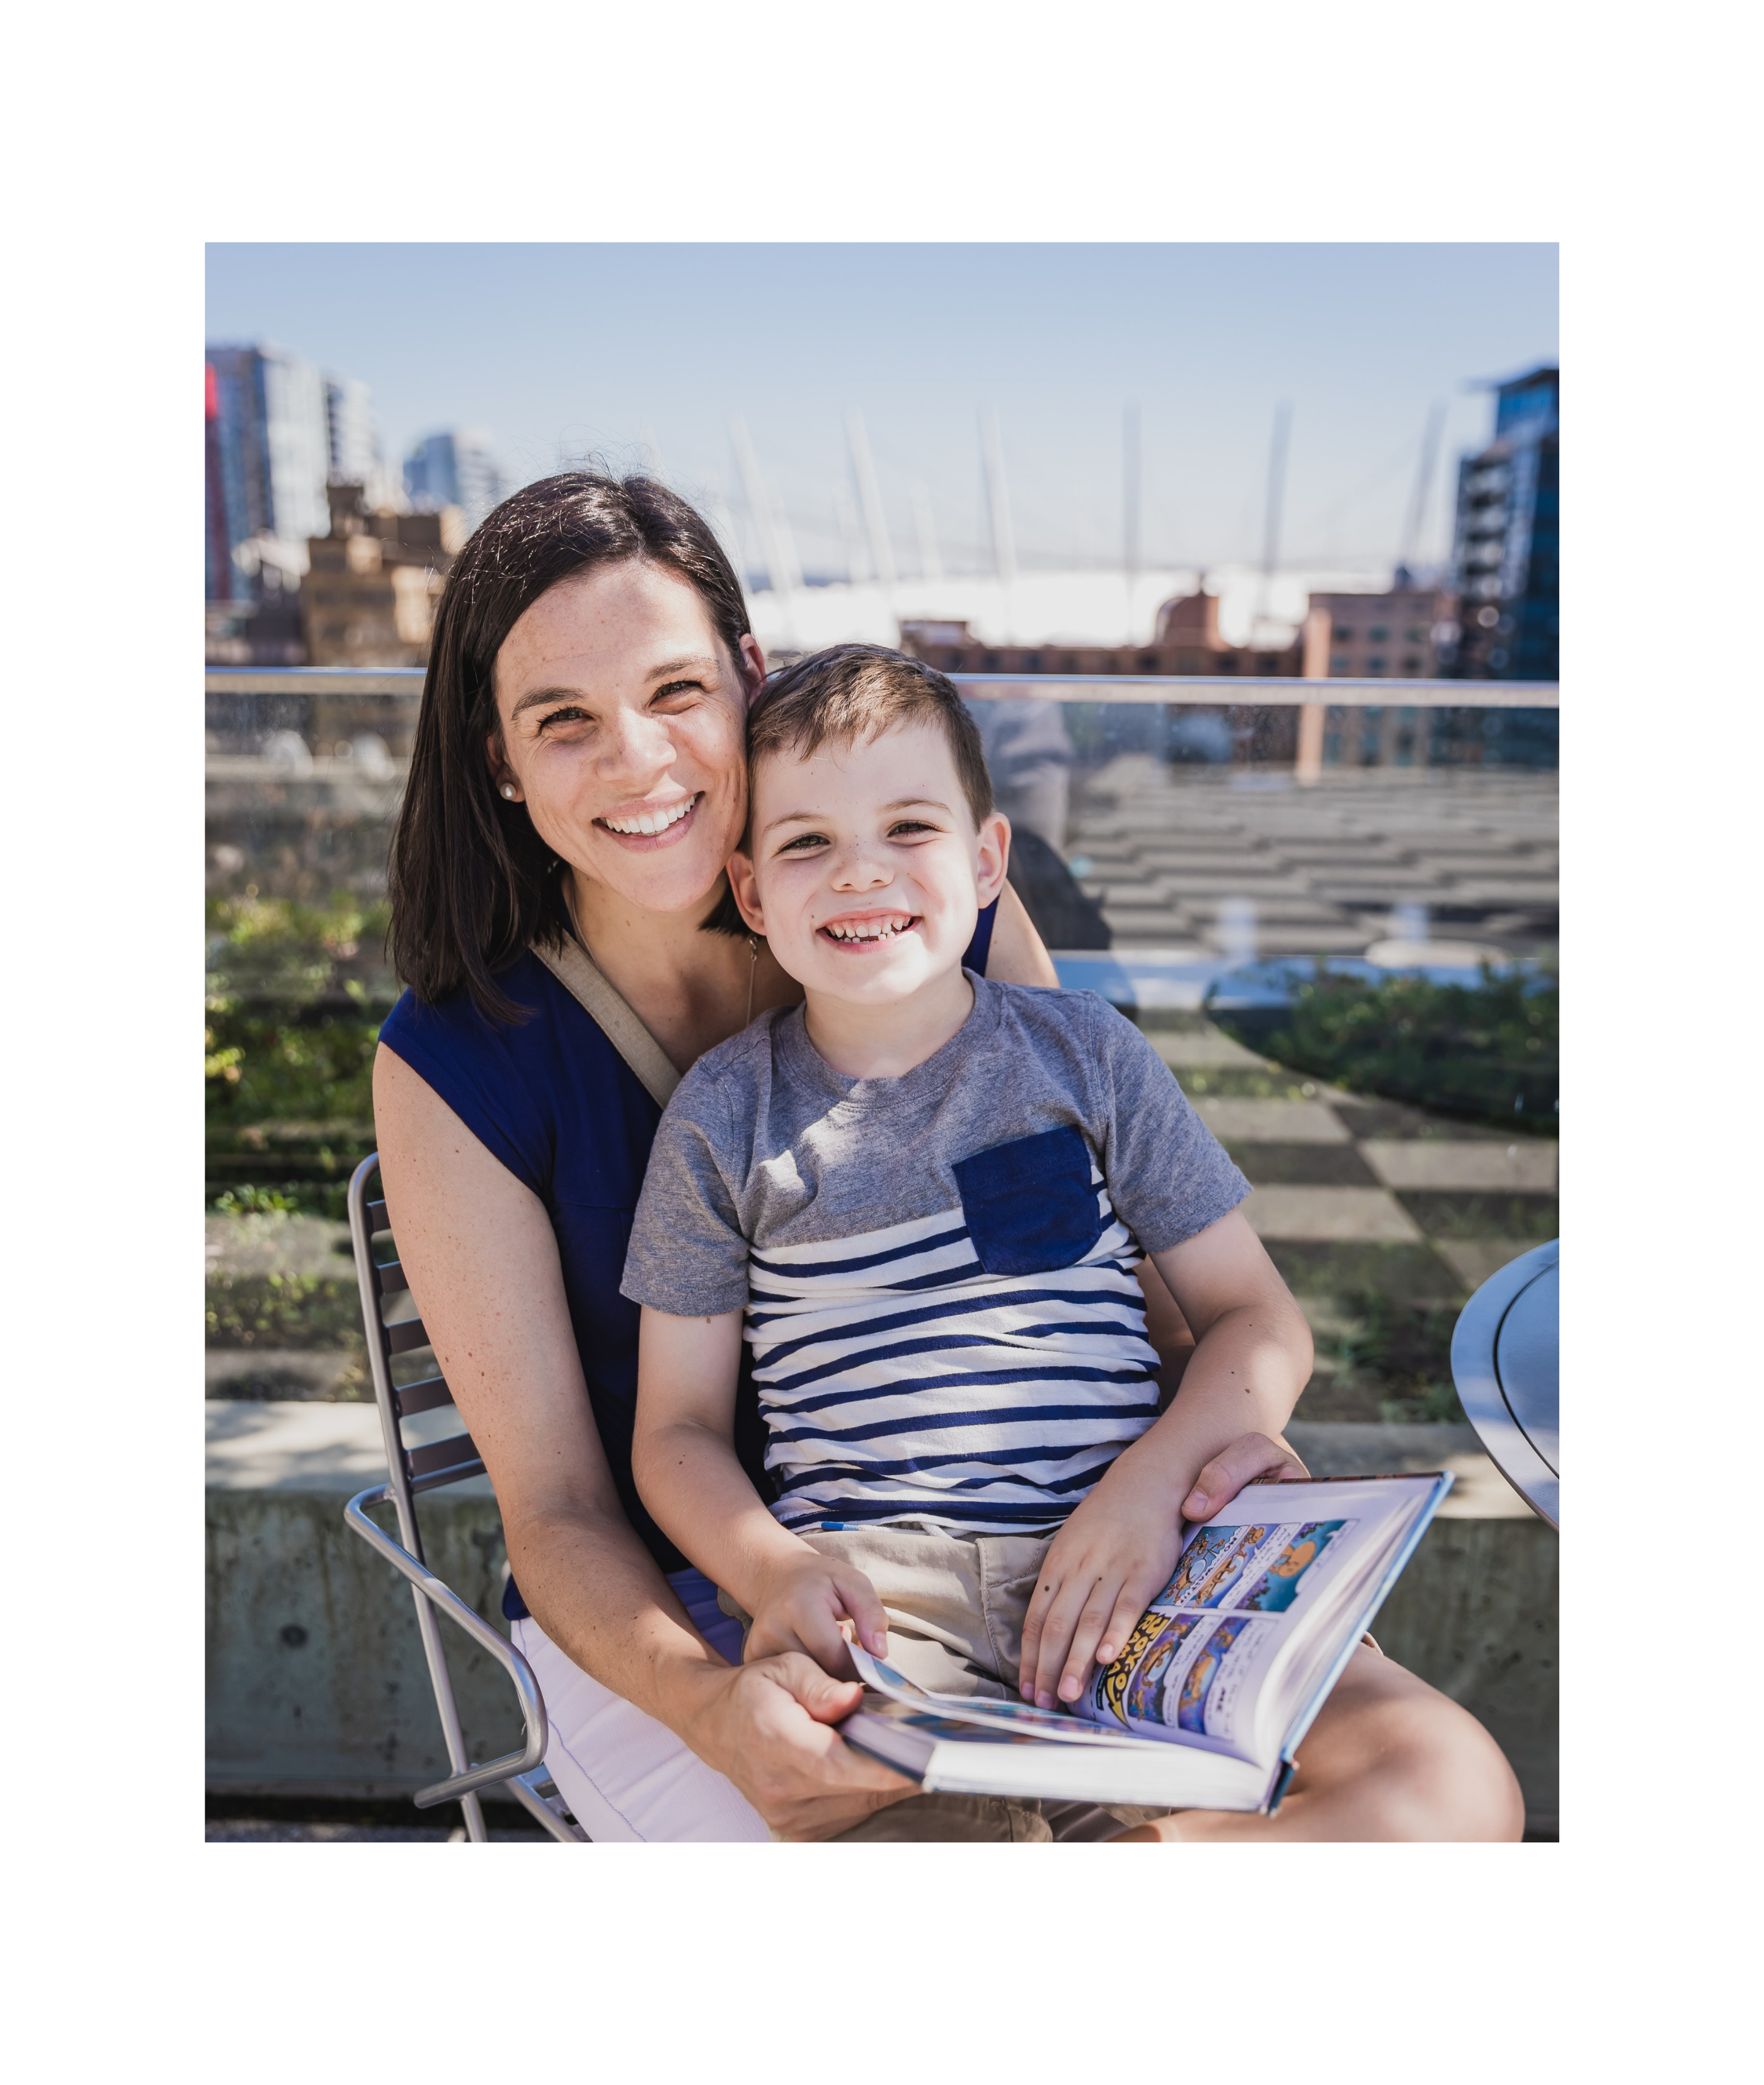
point(508, 790)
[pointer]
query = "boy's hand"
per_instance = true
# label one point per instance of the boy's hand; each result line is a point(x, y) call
point(1117, 1552)
point(802, 1602)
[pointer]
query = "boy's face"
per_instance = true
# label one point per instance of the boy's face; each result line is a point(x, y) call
point(863, 869)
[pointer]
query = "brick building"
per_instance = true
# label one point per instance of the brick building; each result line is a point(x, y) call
point(1185, 639)
point(370, 593)
point(1399, 633)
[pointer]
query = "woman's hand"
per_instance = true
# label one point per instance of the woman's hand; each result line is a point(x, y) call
point(1116, 1552)
point(767, 1726)
point(801, 1600)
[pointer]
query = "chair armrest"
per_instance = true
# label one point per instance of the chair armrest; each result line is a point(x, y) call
point(446, 1601)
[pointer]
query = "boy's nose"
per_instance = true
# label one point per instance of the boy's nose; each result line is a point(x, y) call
point(858, 870)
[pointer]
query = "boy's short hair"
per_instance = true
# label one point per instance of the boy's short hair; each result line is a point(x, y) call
point(854, 691)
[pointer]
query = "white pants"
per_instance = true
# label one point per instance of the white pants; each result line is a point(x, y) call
point(623, 1775)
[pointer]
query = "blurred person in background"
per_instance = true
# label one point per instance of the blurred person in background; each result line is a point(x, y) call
point(1029, 756)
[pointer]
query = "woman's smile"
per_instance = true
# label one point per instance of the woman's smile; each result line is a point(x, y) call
point(645, 827)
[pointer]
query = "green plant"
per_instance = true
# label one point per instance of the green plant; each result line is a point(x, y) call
point(249, 1199)
point(288, 1311)
point(1397, 1353)
point(296, 993)
point(1487, 1050)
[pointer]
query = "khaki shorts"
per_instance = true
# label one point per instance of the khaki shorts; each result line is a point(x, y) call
point(956, 1607)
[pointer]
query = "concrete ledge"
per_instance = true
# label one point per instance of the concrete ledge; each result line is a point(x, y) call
point(317, 1684)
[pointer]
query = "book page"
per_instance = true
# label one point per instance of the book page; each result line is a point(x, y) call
point(1020, 1718)
point(1251, 1586)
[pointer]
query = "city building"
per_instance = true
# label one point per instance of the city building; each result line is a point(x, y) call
point(373, 581)
point(268, 452)
point(455, 468)
point(1506, 548)
point(1185, 639)
point(1400, 632)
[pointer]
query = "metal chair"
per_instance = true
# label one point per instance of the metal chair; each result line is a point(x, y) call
point(427, 1467)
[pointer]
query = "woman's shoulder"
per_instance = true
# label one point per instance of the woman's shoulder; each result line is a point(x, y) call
point(544, 1092)
point(459, 1025)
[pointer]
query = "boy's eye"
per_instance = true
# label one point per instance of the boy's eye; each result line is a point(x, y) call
point(903, 828)
point(803, 842)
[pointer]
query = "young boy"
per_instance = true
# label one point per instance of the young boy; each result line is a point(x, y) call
point(927, 1194)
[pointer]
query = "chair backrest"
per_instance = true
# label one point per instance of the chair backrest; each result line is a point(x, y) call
point(429, 1465)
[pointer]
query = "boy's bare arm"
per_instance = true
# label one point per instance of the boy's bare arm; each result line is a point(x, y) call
point(1252, 1359)
point(683, 1458)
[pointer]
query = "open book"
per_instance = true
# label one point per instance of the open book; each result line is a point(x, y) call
point(1205, 1705)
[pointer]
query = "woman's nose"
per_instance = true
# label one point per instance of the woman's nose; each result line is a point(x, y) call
point(638, 748)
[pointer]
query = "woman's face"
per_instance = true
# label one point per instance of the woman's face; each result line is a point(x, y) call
point(623, 730)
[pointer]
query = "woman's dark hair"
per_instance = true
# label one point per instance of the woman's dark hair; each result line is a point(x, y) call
point(471, 883)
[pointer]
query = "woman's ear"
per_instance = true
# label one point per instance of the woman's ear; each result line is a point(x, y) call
point(993, 857)
point(744, 886)
point(752, 664)
point(500, 772)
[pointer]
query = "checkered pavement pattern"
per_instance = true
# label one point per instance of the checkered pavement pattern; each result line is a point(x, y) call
point(1355, 1196)
point(1197, 859)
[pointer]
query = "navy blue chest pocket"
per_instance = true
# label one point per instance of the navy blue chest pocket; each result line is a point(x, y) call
point(1029, 1204)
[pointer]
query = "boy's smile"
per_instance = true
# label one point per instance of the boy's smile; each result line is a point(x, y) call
point(868, 930)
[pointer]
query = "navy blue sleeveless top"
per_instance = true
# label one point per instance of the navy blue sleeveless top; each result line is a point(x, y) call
point(557, 1104)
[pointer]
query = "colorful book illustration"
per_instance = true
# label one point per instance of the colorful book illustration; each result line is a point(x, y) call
point(1218, 1681)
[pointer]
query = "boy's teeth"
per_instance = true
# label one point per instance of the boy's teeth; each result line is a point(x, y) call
point(651, 822)
point(876, 931)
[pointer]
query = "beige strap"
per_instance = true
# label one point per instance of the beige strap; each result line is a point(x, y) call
point(576, 970)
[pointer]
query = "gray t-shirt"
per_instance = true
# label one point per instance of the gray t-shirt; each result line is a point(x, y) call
point(936, 1269)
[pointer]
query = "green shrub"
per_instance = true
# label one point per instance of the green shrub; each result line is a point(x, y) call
point(300, 1310)
point(1396, 1354)
point(296, 994)
point(1487, 1051)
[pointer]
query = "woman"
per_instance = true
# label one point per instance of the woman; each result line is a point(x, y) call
point(578, 781)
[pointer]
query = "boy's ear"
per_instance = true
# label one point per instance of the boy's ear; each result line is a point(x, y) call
point(744, 886)
point(994, 856)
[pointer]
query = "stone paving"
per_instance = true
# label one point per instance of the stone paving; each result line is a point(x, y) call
point(1356, 1197)
point(1201, 858)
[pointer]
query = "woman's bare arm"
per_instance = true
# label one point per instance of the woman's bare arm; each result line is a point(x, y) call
point(483, 1261)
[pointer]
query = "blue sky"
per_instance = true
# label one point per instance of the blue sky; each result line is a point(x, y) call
point(564, 351)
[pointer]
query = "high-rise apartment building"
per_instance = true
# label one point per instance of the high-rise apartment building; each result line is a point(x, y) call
point(269, 449)
point(1505, 551)
point(454, 468)
point(353, 449)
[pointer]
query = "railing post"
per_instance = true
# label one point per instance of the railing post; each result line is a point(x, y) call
point(1308, 769)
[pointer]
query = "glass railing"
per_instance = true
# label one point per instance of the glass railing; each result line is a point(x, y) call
point(1331, 905)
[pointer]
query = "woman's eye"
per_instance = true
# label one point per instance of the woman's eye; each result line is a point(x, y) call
point(570, 714)
point(676, 689)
